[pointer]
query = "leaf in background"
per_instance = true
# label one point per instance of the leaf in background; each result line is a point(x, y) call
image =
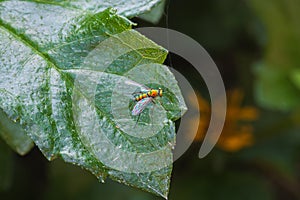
point(295, 77)
point(155, 14)
point(6, 167)
point(60, 69)
point(274, 88)
point(14, 135)
point(275, 84)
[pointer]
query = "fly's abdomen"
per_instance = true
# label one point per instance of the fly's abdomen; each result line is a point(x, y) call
point(141, 96)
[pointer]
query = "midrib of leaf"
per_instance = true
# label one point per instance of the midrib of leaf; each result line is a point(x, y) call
point(27, 43)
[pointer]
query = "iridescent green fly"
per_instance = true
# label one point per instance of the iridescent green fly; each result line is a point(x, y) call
point(143, 97)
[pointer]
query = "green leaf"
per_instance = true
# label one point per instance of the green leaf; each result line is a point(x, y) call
point(278, 88)
point(14, 135)
point(295, 77)
point(63, 79)
point(274, 89)
point(155, 14)
point(6, 167)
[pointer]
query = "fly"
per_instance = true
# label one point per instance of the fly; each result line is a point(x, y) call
point(144, 97)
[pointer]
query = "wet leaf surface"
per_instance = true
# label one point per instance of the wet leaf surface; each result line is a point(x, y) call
point(64, 70)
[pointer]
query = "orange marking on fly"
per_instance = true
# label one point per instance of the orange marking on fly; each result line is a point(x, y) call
point(154, 93)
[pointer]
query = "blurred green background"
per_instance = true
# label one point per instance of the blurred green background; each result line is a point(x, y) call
point(256, 45)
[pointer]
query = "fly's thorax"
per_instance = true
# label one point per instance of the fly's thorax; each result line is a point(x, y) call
point(154, 93)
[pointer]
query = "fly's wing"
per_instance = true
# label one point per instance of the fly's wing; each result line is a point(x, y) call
point(141, 86)
point(141, 105)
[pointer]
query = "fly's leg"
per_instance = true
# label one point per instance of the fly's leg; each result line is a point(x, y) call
point(152, 125)
point(151, 115)
point(155, 103)
point(137, 121)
